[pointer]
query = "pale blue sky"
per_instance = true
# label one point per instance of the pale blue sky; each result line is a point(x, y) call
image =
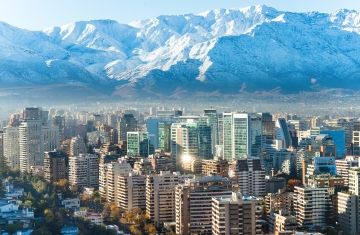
point(40, 14)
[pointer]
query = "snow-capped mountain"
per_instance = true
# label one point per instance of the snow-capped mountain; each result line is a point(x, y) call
point(257, 48)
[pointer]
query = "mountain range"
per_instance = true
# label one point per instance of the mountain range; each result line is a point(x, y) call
point(251, 50)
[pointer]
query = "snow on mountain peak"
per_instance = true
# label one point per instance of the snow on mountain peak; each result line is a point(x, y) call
point(219, 46)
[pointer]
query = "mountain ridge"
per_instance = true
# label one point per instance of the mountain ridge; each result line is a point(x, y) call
point(226, 51)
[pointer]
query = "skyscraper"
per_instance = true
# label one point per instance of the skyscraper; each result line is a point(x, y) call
point(127, 123)
point(138, 144)
point(11, 147)
point(190, 141)
point(282, 132)
point(30, 145)
point(212, 120)
point(242, 135)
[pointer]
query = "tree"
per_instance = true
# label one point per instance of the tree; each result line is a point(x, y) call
point(135, 230)
point(150, 229)
point(292, 183)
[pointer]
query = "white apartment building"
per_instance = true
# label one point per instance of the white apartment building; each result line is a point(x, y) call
point(84, 170)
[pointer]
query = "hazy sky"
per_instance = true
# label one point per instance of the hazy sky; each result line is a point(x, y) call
point(40, 14)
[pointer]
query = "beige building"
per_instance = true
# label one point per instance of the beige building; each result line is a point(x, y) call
point(84, 170)
point(193, 203)
point(236, 215)
point(282, 223)
point(160, 197)
point(215, 167)
point(107, 172)
point(130, 190)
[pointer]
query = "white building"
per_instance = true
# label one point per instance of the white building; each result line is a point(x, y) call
point(30, 145)
point(84, 170)
point(249, 175)
point(311, 205)
point(11, 147)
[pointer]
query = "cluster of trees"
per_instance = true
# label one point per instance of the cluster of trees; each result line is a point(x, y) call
point(139, 222)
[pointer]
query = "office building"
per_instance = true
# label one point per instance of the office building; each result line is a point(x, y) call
point(212, 121)
point(127, 123)
point(215, 167)
point(242, 135)
point(138, 144)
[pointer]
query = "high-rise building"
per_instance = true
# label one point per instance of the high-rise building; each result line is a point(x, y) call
point(343, 166)
point(164, 136)
point(11, 147)
point(235, 214)
point(111, 170)
point(84, 170)
point(55, 166)
point(281, 201)
point(242, 134)
point(249, 175)
point(311, 206)
point(127, 123)
point(50, 138)
point(212, 121)
point(282, 132)
point(193, 203)
point(190, 141)
point(106, 163)
point(130, 190)
point(31, 145)
point(159, 131)
point(77, 146)
point(348, 213)
point(349, 204)
point(138, 144)
point(160, 197)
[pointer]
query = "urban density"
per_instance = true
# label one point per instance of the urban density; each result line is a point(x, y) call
point(161, 170)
